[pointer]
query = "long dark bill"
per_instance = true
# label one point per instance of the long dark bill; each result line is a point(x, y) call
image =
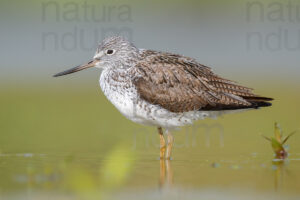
point(78, 68)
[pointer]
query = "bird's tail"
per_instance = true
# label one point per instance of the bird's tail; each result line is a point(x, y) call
point(257, 101)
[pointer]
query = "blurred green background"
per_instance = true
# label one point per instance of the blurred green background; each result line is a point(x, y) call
point(61, 138)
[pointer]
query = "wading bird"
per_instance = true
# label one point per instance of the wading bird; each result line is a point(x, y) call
point(163, 89)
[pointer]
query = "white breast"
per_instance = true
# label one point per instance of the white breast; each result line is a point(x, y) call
point(118, 91)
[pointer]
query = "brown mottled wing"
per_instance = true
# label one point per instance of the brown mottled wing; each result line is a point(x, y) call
point(180, 84)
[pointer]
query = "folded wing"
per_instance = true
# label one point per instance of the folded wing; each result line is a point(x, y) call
point(180, 84)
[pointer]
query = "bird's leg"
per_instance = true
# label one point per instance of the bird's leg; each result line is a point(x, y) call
point(162, 143)
point(170, 142)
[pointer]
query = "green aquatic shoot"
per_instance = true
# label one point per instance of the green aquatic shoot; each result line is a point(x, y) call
point(278, 142)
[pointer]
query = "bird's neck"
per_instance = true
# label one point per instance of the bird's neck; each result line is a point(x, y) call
point(111, 79)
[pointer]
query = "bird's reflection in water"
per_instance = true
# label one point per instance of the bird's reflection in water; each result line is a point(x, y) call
point(166, 173)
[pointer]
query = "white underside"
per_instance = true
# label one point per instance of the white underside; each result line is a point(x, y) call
point(139, 111)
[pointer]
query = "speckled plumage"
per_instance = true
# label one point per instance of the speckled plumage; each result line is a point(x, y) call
point(169, 90)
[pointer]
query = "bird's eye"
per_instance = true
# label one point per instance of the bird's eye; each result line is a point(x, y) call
point(110, 51)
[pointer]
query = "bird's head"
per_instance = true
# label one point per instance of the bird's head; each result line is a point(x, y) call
point(112, 52)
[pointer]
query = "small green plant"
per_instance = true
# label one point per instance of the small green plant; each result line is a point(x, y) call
point(278, 142)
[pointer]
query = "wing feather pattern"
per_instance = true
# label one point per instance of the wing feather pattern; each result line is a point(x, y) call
point(180, 84)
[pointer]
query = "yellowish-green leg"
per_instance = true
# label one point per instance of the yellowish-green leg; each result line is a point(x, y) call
point(170, 142)
point(162, 143)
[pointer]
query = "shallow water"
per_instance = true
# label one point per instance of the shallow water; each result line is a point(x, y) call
point(123, 174)
point(73, 144)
